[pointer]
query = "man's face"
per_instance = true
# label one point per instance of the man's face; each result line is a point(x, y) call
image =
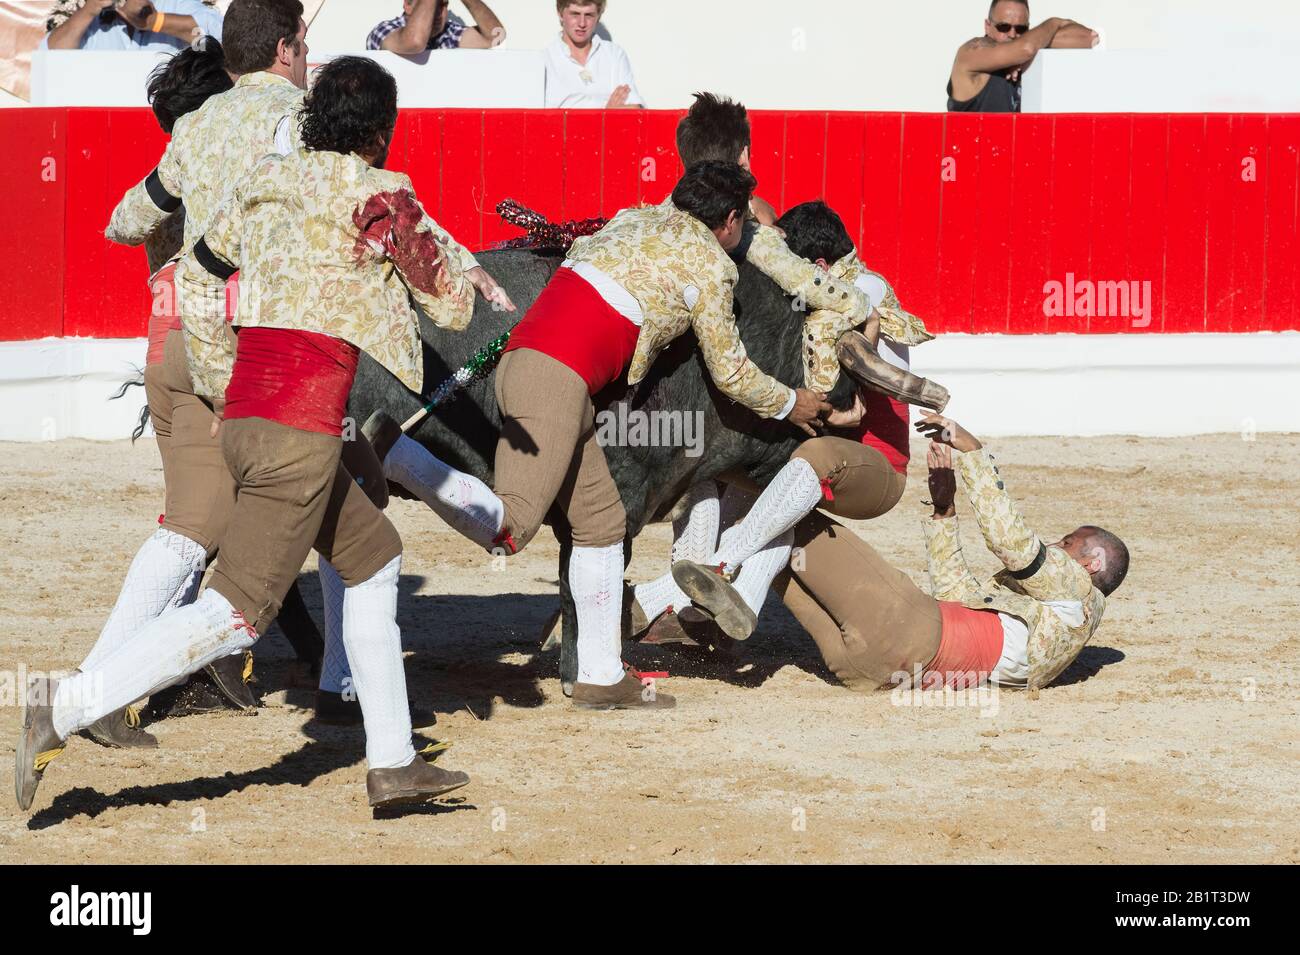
point(1079, 545)
point(579, 21)
point(1014, 14)
point(296, 54)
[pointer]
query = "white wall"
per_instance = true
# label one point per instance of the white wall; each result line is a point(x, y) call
point(837, 54)
point(1072, 385)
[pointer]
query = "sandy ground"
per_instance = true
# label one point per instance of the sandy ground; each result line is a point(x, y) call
point(1172, 739)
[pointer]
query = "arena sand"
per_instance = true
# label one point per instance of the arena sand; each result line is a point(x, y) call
point(1173, 738)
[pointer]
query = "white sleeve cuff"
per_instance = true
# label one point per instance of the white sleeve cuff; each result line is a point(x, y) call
point(789, 406)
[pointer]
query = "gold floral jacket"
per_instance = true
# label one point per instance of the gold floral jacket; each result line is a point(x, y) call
point(312, 256)
point(1035, 574)
point(210, 150)
point(672, 264)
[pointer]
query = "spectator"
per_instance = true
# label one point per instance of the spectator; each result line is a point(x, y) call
point(429, 25)
point(582, 70)
point(986, 73)
point(130, 24)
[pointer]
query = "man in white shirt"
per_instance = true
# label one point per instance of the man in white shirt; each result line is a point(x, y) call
point(582, 70)
point(130, 25)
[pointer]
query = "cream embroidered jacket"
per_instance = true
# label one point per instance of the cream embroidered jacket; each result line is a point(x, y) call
point(1034, 575)
point(323, 243)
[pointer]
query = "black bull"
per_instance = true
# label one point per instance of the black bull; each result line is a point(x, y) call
point(650, 478)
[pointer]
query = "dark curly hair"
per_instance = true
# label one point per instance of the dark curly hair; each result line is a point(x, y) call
point(813, 230)
point(352, 102)
point(714, 128)
point(711, 190)
point(184, 82)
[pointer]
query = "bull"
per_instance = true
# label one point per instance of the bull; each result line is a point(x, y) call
point(651, 476)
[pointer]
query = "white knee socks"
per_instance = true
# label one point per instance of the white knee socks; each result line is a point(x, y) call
point(335, 675)
point(792, 494)
point(695, 537)
point(162, 652)
point(164, 571)
point(760, 570)
point(464, 502)
point(596, 582)
point(695, 529)
point(374, 648)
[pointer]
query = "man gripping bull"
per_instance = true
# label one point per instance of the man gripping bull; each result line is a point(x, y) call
point(332, 251)
point(617, 301)
point(859, 473)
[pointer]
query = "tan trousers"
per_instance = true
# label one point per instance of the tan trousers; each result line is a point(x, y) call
point(200, 489)
point(292, 494)
point(863, 484)
point(868, 619)
point(548, 454)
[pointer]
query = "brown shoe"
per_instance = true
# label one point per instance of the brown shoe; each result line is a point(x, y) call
point(667, 628)
point(417, 782)
point(628, 693)
point(231, 676)
point(861, 360)
point(38, 744)
point(638, 623)
point(121, 730)
point(332, 709)
point(382, 432)
point(712, 593)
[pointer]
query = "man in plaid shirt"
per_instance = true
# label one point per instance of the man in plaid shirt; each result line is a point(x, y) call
point(429, 25)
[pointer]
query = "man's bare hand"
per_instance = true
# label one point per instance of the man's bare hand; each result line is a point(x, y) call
point(943, 480)
point(810, 408)
point(849, 418)
point(619, 97)
point(946, 431)
point(489, 289)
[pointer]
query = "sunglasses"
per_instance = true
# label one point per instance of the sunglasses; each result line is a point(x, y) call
point(1020, 28)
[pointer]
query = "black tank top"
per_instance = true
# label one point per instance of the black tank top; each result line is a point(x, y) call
point(999, 95)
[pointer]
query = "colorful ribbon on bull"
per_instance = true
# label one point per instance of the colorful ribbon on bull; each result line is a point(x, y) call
point(542, 236)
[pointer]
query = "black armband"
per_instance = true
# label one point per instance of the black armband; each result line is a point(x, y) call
point(211, 262)
point(163, 199)
point(1034, 567)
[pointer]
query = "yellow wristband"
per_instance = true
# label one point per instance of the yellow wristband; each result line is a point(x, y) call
point(157, 25)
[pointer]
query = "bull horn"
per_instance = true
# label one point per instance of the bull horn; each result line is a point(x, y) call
point(864, 365)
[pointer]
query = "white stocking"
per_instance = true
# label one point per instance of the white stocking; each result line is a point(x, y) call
point(792, 494)
point(374, 647)
point(162, 652)
point(163, 569)
point(335, 676)
point(596, 583)
point(463, 501)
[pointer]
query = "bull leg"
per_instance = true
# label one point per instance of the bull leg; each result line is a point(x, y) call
point(569, 623)
point(300, 630)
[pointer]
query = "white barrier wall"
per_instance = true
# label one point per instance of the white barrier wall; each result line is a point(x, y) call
point(510, 79)
point(1071, 385)
point(836, 54)
point(1160, 81)
point(847, 54)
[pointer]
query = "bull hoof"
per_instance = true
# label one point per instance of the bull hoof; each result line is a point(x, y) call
point(863, 363)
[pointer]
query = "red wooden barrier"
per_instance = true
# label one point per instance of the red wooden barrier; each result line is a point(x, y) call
point(970, 216)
